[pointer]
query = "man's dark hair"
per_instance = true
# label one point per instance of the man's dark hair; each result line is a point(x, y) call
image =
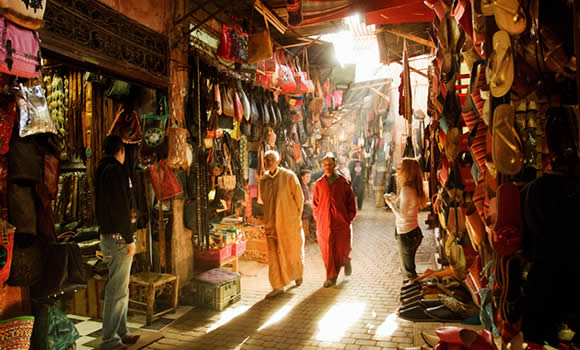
point(112, 145)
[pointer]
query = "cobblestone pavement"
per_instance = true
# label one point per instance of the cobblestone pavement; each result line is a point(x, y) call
point(359, 313)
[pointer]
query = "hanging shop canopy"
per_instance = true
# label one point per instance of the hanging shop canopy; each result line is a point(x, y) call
point(396, 21)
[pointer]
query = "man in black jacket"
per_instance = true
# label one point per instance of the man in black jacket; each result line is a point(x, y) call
point(117, 226)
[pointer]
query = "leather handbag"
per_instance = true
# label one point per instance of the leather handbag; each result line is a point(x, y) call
point(27, 261)
point(227, 101)
point(260, 45)
point(7, 118)
point(238, 107)
point(34, 114)
point(51, 174)
point(127, 126)
point(19, 51)
point(27, 14)
point(227, 182)
point(164, 181)
point(217, 98)
point(154, 127)
point(286, 82)
point(22, 208)
point(233, 45)
point(6, 247)
point(246, 108)
point(254, 112)
point(177, 157)
point(64, 271)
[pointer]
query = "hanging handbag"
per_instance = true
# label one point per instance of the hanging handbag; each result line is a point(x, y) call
point(154, 128)
point(227, 181)
point(238, 107)
point(233, 45)
point(301, 79)
point(19, 51)
point(259, 44)
point(177, 157)
point(27, 14)
point(51, 172)
point(254, 112)
point(506, 236)
point(27, 261)
point(227, 101)
point(268, 73)
point(127, 126)
point(118, 90)
point(7, 118)
point(34, 114)
point(64, 270)
point(6, 247)
point(286, 82)
point(164, 181)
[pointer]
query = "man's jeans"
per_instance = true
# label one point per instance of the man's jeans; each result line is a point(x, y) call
point(116, 291)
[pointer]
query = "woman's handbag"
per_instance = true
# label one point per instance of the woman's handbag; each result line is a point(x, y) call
point(64, 271)
point(127, 126)
point(259, 45)
point(7, 118)
point(27, 14)
point(177, 157)
point(154, 128)
point(286, 82)
point(227, 101)
point(233, 45)
point(27, 261)
point(6, 247)
point(34, 114)
point(19, 51)
point(164, 181)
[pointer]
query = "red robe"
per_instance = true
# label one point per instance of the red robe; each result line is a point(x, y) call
point(334, 209)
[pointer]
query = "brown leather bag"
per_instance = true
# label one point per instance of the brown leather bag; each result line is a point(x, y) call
point(177, 157)
point(259, 45)
point(228, 101)
point(127, 125)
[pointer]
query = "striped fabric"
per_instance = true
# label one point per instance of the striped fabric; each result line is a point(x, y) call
point(470, 119)
point(478, 146)
point(317, 11)
point(476, 99)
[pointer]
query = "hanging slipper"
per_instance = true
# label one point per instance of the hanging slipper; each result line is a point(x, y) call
point(509, 16)
point(462, 14)
point(477, 83)
point(479, 28)
point(506, 144)
point(468, 115)
point(506, 236)
point(500, 69)
point(486, 7)
point(452, 148)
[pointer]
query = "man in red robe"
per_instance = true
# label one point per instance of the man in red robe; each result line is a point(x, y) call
point(334, 209)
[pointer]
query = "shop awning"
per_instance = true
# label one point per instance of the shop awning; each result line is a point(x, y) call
point(403, 11)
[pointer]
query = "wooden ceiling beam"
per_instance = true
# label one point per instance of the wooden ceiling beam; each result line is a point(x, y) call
point(411, 37)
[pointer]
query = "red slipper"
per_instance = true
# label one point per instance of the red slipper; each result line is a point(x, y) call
point(506, 237)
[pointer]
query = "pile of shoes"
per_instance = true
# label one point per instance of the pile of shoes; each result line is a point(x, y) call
point(443, 299)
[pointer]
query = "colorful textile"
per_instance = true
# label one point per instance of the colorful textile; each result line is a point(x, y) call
point(283, 201)
point(334, 210)
point(15, 333)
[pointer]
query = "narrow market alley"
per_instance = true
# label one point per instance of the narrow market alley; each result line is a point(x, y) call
point(359, 313)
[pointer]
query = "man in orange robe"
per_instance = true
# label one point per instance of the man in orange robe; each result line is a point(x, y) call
point(334, 209)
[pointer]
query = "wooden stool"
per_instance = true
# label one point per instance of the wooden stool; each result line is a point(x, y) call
point(231, 261)
point(146, 286)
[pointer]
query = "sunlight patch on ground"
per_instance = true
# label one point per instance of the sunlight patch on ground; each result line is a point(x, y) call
point(338, 320)
point(284, 310)
point(228, 315)
point(242, 343)
point(388, 327)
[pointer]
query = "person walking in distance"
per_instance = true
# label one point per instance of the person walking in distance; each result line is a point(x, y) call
point(334, 210)
point(117, 222)
point(406, 209)
point(357, 173)
point(307, 219)
point(283, 201)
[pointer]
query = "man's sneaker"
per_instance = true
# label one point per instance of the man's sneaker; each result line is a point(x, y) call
point(299, 282)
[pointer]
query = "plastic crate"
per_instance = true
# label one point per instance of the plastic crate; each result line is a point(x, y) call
point(239, 248)
point(216, 289)
point(213, 255)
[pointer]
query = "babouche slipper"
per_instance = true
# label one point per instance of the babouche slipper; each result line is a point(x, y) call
point(506, 145)
point(500, 69)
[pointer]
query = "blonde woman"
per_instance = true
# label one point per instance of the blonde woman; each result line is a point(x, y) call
point(406, 207)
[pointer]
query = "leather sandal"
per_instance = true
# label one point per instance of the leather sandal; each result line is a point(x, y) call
point(506, 144)
point(500, 69)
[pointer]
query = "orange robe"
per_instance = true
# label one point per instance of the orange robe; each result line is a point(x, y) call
point(283, 202)
point(334, 209)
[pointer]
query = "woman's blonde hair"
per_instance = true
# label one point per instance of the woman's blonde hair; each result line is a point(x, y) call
point(409, 173)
